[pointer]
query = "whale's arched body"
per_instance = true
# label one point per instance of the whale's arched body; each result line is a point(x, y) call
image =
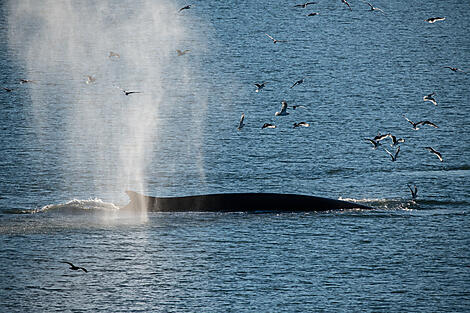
point(238, 202)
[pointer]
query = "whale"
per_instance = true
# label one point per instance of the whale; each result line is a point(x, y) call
point(238, 202)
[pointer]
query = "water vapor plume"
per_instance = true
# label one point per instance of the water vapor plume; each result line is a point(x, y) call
point(83, 56)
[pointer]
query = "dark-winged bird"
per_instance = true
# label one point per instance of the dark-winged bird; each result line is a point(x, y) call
point(75, 268)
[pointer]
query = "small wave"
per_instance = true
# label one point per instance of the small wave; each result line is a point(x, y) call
point(79, 206)
point(384, 203)
point(407, 204)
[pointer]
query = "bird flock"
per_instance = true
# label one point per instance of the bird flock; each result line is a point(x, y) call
point(375, 141)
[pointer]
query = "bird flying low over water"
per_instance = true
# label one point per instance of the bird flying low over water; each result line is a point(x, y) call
point(430, 98)
point(303, 124)
point(7, 89)
point(381, 137)
point(430, 149)
point(304, 5)
point(373, 142)
point(283, 109)
point(454, 69)
point(396, 141)
point(260, 86)
point(90, 79)
point(300, 81)
point(434, 19)
point(414, 191)
point(113, 55)
point(185, 7)
point(275, 40)
point(241, 124)
point(126, 92)
point(75, 268)
point(393, 156)
point(372, 8)
point(415, 125)
point(180, 53)
point(268, 125)
point(345, 2)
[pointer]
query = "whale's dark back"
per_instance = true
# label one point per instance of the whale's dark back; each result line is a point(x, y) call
point(238, 202)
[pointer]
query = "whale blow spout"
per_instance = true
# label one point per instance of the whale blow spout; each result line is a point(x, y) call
point(237, 202)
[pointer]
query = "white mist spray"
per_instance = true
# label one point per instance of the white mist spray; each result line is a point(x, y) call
point(107, 138)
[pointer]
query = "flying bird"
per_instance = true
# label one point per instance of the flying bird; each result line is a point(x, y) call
point(373, 142)
point(304, 5)
point(372, 8)
point(7, 89)
point(303, 124)
point(381, 137)
point(415, 125)
point(185, 7)
point(113, 54)
point(90, 79)
point(430, 98)
point(393, 156)
point(180, 53)
point(300, 81)
point(428, 123)
point(126, 92)
point(345, 2)
point(434, 19)
point(241, 124)
point(454, 69)
point(260, 86)
point(283, 109)
point(396, 141)
point(275, 40)
point(414, 191)
point(268, 125)
point(75, 268)
point(430, 149)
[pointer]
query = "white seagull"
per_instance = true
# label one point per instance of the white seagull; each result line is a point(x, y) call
point(430, 98)
point(303, 124)
point(283, 109)
point(434, 19)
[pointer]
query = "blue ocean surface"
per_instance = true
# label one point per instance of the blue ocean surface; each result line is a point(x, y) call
point(72, 142)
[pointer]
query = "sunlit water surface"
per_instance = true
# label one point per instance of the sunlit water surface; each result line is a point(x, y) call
point(69, 150)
